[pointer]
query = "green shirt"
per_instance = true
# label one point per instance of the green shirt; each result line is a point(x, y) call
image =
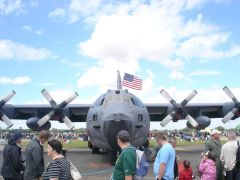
point(125, 164)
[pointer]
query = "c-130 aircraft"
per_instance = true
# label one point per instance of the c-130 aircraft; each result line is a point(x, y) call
point(118, 110)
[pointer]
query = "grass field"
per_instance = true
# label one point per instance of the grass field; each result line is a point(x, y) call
point(83, 144)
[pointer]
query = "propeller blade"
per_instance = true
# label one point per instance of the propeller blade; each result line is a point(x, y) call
point(68, 122)
point(71, 98)
point(45, 118)
point(229, 115)
point(8, 97)
point(191, 121)
point(166, 120)
point(167, 97)
point(7, 121)
point(49, 98)
point(230, 94)
point(189, 97)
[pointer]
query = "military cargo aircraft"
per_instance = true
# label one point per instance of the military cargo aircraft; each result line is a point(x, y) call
point(117, 110)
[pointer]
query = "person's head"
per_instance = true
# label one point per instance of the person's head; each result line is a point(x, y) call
point(231, 136)
point(161, 138)
point(16, 137)
point(43, 136)
point(123, 137)
point(208, 155)
point(54, 147)
point(215, 134)
point(186, 164)
point(172, 141)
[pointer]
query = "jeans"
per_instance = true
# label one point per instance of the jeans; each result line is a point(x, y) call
point(233, 174)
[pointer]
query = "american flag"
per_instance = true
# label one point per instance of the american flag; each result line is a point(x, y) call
point(132, 81)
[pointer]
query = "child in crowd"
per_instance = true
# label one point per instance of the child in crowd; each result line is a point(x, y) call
point(186, 174)
point(207, 167)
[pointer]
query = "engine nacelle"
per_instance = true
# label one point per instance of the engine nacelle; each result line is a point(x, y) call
point(203, 122)
point(32, 124)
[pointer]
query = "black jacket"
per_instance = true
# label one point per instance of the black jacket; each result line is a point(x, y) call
point(34, 160)
point(12, 161)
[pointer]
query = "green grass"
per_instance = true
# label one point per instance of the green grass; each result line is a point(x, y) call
point(84, 144)
point(71, 144)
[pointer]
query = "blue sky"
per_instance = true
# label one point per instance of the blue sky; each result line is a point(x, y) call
point(72, 45)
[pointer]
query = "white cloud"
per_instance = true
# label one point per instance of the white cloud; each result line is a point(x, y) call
point(16, 81)
point(207, 47)
point(57, 13)
point(158, 32)
point(13, 50)
point(176, 75)
point(102, 76)
point(27, 28)
point(9, 6)
point(152, 32)
point(205, 72)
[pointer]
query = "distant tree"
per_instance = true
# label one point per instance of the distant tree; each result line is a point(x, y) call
point(220, 128)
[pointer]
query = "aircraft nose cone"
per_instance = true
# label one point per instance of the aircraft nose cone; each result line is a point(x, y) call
point(113, 126)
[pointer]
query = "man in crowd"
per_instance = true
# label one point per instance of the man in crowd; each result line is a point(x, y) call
point(213, 145)
point(228, 157)
point(12, 164)
point(173, 142)
point(34, 157)
point(125, 165)
point(164, 162)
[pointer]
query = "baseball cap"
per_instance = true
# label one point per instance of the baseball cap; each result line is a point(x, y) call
point(123, 135)
point(16, 135)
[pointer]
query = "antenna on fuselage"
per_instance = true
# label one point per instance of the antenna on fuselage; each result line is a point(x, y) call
point(119, 82)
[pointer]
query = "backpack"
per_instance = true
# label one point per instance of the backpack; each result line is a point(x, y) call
point(238, 156)
point(141, 165)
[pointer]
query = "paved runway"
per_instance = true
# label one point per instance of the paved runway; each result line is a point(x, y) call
point(96, 166)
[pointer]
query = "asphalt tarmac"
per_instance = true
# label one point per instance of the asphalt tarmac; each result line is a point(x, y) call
point(97, 166)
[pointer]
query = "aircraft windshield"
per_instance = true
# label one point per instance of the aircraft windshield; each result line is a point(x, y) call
point(136, 101)
point(99, 101)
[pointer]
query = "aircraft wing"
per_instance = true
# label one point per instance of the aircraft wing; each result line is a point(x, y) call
point(76, 112)
point(158, 112)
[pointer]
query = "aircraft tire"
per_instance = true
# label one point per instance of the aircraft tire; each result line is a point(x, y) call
point(95, 150)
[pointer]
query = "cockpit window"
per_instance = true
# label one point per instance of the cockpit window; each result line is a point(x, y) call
point(99, 101)
point(136, 101)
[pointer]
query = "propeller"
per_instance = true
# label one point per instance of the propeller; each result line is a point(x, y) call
point(57, 109)
point(233, 112)
point(3, 116)
point(178, 108)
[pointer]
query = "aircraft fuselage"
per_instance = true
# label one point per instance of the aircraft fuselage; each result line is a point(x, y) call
point(114, 111)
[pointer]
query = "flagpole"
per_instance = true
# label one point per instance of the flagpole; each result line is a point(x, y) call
point(119, 83)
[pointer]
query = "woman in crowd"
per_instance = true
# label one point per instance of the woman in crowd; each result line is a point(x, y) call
point(59, 167)
point(207, 167)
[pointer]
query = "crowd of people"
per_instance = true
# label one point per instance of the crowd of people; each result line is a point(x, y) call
point(14, 167)
point(217, 162)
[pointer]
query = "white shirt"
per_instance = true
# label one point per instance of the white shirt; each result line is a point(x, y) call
point(228, 155)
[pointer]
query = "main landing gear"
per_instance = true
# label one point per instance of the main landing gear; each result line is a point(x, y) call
point(95, 150)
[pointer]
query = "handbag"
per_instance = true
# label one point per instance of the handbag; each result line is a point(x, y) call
point(75, 174)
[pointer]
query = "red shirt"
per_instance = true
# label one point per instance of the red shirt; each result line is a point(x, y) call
point(186, 174)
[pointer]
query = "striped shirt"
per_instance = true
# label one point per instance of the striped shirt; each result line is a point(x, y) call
point(58, 168)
